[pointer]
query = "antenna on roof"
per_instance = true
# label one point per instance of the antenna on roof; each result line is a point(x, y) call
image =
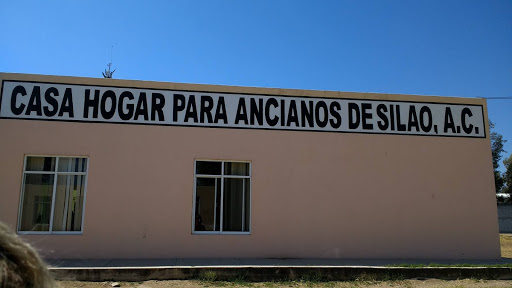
point(108, 73)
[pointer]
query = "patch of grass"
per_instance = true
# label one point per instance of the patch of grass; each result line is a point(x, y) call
point(287, 283)
point(241, 279)
point(313, 276)
point(208, 275)
point(241, 276)
point(506, 246)
point(299, 283)
point(218, 284)
point(210, 278)
point(439, 265)
point(366, 279)
point(329, 284)
point(405, 283)
point(394, 278)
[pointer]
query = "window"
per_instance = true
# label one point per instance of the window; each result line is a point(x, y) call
point(53, 194)
point(222, 197)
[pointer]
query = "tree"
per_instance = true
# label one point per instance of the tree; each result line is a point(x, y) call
point(497, 148)
point(108, 73)
point(507, 176)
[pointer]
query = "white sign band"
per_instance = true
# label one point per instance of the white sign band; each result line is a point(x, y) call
point(84, 103)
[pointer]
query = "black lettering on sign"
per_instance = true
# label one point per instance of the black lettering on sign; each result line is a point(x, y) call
point(334, 108)
point(413, 119)
point(466, 112)
point(292, 114)
point(206, 108)
point(17, 110)
point(34, 104)
point(366, 116)
point(49, 97)
point(392, 116)
point(91, 103)
point(157, 106)
point(142, 107)
point(241, 112)
point(125, 115)
point(283, 116)
point(306, 113)
point(256, 111)
point(67, 104)
point(353, 111)
point(178, 105)
point(271, 121)
point(220, 113)
point(448, 120)
point(399, 125)
point(321, 105)
point(425, 111)
point(108, 95)
point(383, 123)
point(191, 109)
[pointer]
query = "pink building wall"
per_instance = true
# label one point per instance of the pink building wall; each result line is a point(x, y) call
point(314, 194)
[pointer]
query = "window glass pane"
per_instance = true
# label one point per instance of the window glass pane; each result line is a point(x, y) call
point(247, 204)
point(37, 202)
point(67, 215)
point(68, 164)
point(236, 168)
point(208, 168)
point(206, 204)
point(218, 202)
point(233, 204)
point(40, 164)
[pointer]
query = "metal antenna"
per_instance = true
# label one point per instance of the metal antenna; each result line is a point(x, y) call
point(108, 73)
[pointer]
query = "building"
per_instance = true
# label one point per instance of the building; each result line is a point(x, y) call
point(103, 168)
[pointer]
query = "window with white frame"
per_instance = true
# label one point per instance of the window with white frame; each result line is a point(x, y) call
point(53, 194)
point(222, 196)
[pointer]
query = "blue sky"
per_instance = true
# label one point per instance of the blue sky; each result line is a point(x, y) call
point(448, 48)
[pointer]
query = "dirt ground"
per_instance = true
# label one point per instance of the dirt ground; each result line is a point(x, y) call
point(429, 283)
point(506, 245)
point(506, 252)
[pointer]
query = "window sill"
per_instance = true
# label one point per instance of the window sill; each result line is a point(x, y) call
point(219, 233)
point(49, 233)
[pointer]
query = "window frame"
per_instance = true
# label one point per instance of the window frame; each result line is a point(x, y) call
point(222, 176)
point(54, 191)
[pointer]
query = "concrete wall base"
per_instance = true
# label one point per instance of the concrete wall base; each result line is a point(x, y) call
point(257, 274)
